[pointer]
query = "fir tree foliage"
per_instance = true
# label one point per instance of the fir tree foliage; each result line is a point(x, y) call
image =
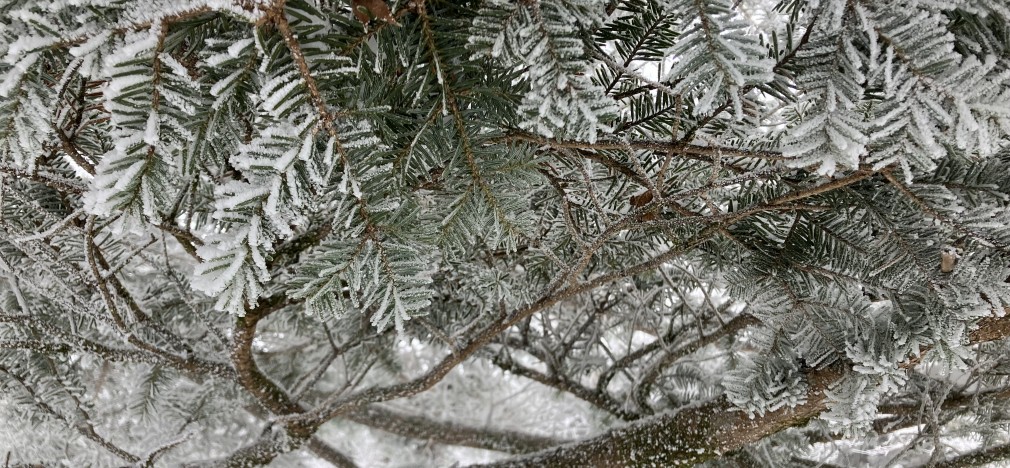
point(905, 88)
point(544, 39)
point(234, 231)
point(715, 55)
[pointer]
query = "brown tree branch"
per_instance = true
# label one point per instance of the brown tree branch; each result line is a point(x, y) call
point(703, 153)
point(82, 424)
point(644, 385)
point(54, 181)
point(935, 214)
point(190, 363)
point(59, 341)
point(330, 454)
point(316, 445)
point(981, 457)
point(336, 406)
point(265, 391)
point(449, 433)
point(600, 400)
point(693, 435)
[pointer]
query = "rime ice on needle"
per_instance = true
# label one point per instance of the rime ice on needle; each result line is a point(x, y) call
point(503, 224)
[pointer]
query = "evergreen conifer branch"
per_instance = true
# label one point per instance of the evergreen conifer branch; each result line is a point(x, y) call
point(83, 426)
point(695, 227)
point(703, 432)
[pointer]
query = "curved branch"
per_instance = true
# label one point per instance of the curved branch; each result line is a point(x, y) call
point(264, 390)
point(644, 385)
point(598, 399)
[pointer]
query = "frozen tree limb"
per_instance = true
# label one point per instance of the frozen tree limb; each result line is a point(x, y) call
point(695, 434)
point(448, 433)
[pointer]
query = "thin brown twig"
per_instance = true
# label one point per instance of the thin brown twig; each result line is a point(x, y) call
point(82, 425)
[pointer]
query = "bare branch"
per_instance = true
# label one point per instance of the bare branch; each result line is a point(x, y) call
point(560, 382)
point(696, 434)
point(423, 428)
point(983, 456)
point(648, 377)
point(82, 424)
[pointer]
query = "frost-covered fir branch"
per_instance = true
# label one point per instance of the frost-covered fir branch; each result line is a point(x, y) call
point(524, 233)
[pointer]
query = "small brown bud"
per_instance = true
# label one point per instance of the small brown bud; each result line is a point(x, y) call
point(642, 199)
point(948, 258)
point(366, 10)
